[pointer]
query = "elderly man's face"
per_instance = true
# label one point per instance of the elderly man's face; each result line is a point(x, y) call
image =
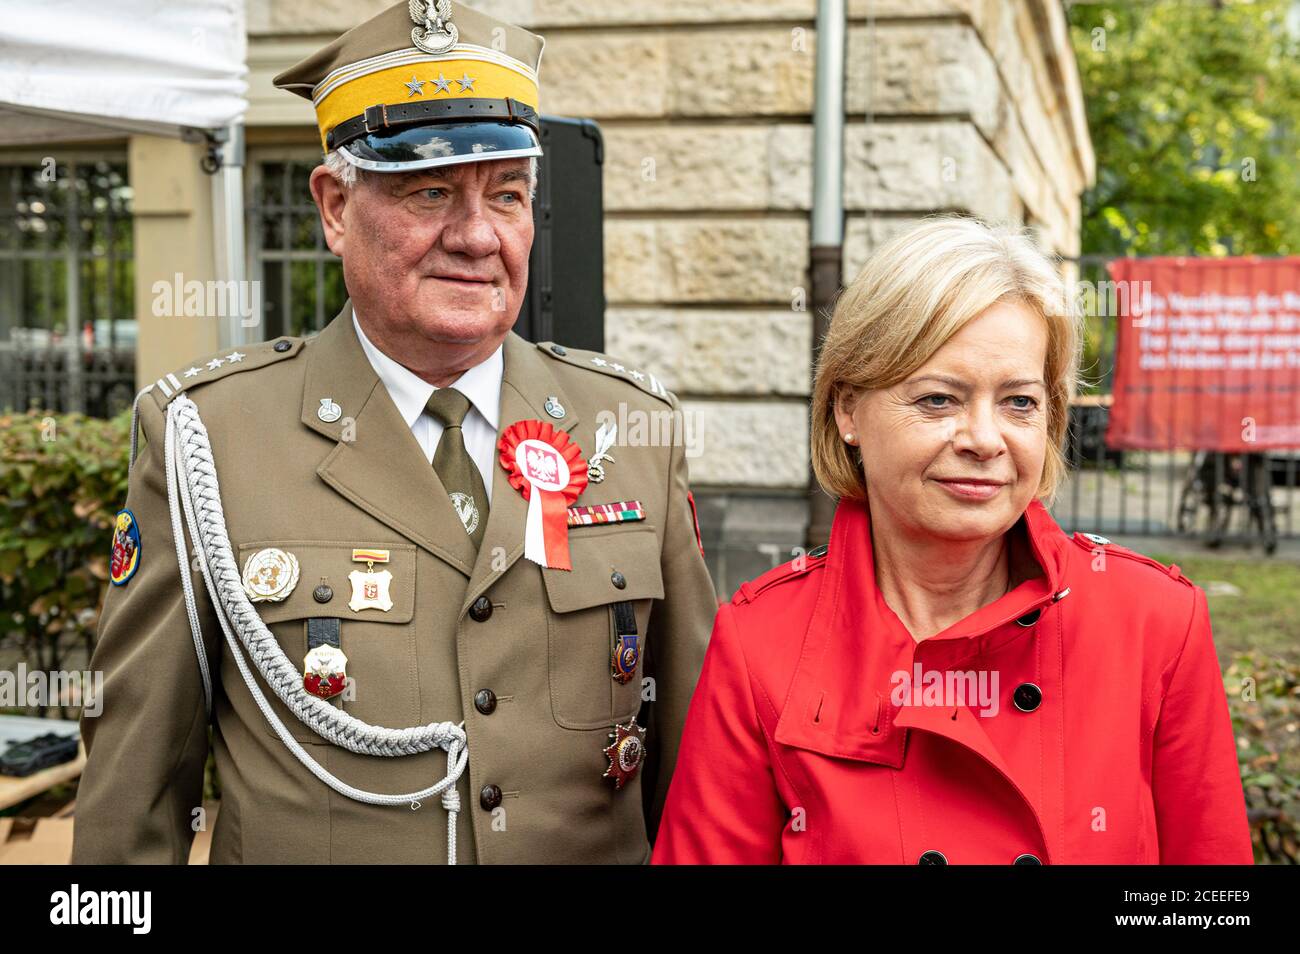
point(956, 451)
point(441, 254)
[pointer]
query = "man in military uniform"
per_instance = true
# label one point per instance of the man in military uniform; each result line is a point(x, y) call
point(417, 557)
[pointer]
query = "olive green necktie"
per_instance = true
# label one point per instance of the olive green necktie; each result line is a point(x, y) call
point(455, 468)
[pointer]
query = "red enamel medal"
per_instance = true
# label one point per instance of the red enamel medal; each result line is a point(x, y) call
point(626, 752)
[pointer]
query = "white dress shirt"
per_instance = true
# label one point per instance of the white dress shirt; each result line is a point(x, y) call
point(481, 384)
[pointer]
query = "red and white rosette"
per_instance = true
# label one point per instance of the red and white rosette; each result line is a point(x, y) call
point(550, 471)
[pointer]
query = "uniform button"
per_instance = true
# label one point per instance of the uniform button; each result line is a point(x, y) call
point(282, 345)
point(322, 593)
point(1027, 697)
point(558, 349)
point(481, 610)
point(485, 701)
point(1026, 859)
point(490, 797)
point(1030, 618)
point(618, 579)
point(932, 858)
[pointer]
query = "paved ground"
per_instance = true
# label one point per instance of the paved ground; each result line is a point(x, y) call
point(1138, 508)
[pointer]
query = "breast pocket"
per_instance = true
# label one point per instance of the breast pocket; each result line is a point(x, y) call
point(615, 579)
point(379, 643)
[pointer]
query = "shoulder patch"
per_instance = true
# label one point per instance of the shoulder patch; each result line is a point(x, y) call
point(799, 566)
point(1093, 541)
point(221, 365)
point(604, 364)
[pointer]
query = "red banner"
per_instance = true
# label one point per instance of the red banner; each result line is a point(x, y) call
point(1208, 354)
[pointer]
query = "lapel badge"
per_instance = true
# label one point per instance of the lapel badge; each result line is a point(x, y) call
point(553, 407)
point(370, 589)
point(605, 436)
point(329, 412)
point(270, 575)
point(125, 558)
point(325, 671)
point(626, 752)
point(466, 509)
point(621, 511)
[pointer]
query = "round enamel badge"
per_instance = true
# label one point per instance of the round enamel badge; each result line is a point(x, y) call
point(270, 575)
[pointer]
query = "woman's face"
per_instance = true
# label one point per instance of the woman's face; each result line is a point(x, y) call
point(956, 450)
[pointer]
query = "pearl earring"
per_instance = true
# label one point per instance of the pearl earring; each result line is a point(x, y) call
point(848, 438)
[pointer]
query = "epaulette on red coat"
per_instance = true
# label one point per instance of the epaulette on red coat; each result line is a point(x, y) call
point(1093, 542)
point(793, 570)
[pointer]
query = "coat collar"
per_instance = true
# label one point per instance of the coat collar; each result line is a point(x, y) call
point(377, 464)
point(838, 702)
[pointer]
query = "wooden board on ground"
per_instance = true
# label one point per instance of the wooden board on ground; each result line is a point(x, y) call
point(14, 790)
point(48, 841)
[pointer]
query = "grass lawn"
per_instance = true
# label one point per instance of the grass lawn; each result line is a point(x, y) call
point(1266, 616)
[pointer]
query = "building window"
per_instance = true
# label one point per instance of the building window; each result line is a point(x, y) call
point(302, 281)
point(67, 285)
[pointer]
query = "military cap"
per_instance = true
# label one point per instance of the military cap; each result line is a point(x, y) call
point(425, 83)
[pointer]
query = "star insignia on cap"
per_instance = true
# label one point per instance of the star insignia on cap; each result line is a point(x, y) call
point(441, 84)
point(466, 82)
point(235, 356)
point(415, 86)
point(214, 364)
point(599, 362)
point(190, 372)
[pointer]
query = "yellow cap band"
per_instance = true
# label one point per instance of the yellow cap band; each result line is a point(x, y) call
point(389, 87)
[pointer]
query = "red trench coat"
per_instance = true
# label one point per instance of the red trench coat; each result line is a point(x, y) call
point(1111, 743)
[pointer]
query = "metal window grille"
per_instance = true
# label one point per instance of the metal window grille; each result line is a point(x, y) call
point(67, 285)
point(302, 281)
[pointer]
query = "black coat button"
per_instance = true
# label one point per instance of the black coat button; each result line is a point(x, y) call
point(1026, 859)
point(559, 349)
point(282, 345)
point(1027, 697)
point(932, 858)
point(490, 797)
point(323, 593)
point(481, 610)
point(485, 701)
point(618, 579)
point(1030, 618)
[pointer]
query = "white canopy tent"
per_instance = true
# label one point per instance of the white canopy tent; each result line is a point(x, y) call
point(76, 71)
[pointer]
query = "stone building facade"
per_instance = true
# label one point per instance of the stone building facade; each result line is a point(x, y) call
point(706, 107)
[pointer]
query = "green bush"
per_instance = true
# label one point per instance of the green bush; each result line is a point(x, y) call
point(62, 480)
point(1264, 698)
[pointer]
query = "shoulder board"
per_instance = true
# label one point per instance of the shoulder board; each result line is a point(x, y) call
point(603, 363)
point(1093, 541)
point(799, 566)
point(222, 365)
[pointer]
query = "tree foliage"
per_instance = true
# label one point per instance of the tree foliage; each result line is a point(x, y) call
point(1194, 111)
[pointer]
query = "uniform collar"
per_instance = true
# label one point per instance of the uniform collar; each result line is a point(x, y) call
point(481, 383)
point(838, 703)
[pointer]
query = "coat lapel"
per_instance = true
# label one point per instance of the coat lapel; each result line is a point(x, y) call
point(376, 462)
point(527, 381)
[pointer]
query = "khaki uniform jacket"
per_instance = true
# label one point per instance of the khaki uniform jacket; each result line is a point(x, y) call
point(291, 481)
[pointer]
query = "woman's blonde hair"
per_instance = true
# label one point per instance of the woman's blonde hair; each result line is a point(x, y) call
point(917, 291)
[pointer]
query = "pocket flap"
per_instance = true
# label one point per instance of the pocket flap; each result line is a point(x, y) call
point(331, 562)
point(633, 553)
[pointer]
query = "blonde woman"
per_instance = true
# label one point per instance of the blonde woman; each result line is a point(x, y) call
point(955, 680)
